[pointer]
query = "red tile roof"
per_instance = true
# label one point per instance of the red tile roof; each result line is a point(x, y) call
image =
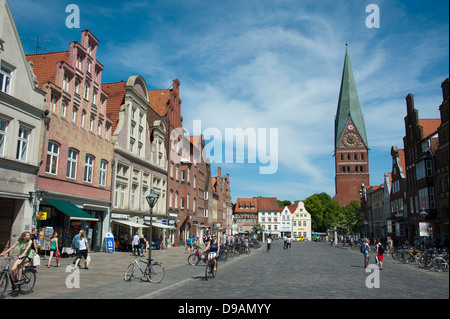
point(158, 100)
point(267, 204)
point(116, 93)
point(44, 65)
point(291, 208)
point(401, 159)
point(246, 202)
point(429, 126)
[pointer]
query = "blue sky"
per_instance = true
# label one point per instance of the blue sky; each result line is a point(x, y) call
point(268, 64)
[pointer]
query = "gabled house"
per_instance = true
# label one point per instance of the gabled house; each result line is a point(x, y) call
point(286, 220)
point(140, 161)
point(245, 214)
point(397, 223)
point(76, 171)
point(21, 114)
point(420, 146)
point(301, 222)
point(269, 216)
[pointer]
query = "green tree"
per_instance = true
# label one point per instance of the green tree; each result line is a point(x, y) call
point(283, 203)
point(325, 212)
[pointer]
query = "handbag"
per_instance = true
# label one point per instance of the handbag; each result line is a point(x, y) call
point(88, 259)
point(36, 260)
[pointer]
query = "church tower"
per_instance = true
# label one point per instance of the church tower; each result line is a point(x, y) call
point(351, 148)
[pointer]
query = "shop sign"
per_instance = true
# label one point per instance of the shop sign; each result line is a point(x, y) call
point(424, 229)
point(42, 216)
point(120, 216)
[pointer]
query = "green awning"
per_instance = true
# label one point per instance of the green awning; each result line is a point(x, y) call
point(71, 210)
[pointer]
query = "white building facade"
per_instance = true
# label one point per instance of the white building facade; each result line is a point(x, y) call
point(286, 221)
point(21, 113)
point(301, 222)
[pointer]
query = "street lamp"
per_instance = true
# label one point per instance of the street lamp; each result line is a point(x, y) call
point(151, 198)
point(423, 214)
point(47, 120)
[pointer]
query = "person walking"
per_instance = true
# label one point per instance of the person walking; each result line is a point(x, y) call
point(136, 245)
point(142, 243)
point(75, 246)
point(34, 247)
point(53, 246)
point(83, 250)
point(366, 252)
point(269, 243)
point(380, 251)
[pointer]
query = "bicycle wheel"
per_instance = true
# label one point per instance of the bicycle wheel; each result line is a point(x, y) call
point(214, 272)
point(129, 272)
point(439, 264)
point(3, 283)
point(28, 280)
point(193, 259)
point(224, 255)
point(208, 269)
point(157, 273)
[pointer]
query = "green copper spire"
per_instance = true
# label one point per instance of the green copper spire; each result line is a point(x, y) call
point(348, 105)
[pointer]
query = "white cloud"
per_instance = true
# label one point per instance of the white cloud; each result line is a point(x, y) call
point(280, 66)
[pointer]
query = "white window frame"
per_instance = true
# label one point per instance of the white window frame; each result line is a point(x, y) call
point(89, 168)
point(22, 143)
point(51, 166)
point(6, 77)
point(3, 132)
point(72, 160)
point(91, 122)
point(103, 172)
point(74, 114)
point(63, 109)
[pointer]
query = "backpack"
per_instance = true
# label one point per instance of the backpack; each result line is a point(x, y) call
point(363, 247)
point(380, 249)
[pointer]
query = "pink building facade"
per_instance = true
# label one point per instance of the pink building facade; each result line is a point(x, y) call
point(74, 180)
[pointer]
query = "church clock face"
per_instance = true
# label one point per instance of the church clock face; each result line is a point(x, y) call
point(350, 139)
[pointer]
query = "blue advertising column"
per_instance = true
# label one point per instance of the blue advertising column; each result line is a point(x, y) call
point(109, 243)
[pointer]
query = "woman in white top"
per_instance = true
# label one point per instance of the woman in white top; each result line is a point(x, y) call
point(83, 251)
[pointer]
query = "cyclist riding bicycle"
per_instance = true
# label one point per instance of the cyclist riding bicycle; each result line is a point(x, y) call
point(214, 248)
point(25, 255)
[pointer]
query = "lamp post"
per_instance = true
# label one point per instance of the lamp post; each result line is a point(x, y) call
point(151, 198)
point(34, 220)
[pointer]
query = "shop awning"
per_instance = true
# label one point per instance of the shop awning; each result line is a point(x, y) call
point(71, 210)
point(129, 223)
point(159, 225)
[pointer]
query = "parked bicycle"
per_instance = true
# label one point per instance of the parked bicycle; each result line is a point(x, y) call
point(223, 254)
point(25, 283)
point(196, 257)
point(440, 262)
point(150, 271)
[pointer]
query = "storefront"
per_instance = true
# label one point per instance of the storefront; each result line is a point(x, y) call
point(161, 231)
point(67, 220)
point(124, 228)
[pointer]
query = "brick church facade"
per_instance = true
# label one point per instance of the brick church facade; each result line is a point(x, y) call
point(351, 147)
